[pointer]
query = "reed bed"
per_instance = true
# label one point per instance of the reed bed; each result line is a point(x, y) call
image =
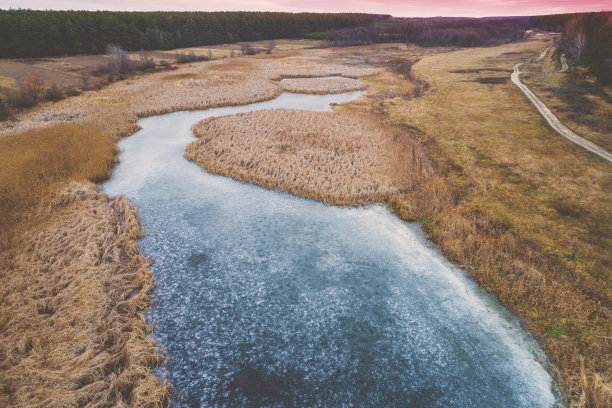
point(116, 108)
point(72, 290)
point(321, 85)
point(338, 158)
point(33, 163)
point(310, 67)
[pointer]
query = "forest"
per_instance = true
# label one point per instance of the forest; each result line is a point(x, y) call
point(461, 33)
point(34, 33)
point(586, 39)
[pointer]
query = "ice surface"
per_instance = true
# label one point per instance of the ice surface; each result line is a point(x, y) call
point(271, 300)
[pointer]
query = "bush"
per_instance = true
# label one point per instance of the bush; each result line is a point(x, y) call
point(146, 64)
point(54, 93)
point(22, 100)
point(4, 110)
point(31, 88)
point(72, 92)
point(182, 58)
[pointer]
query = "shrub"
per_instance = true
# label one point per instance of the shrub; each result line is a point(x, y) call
point(21, 100)
point(72, 91)
point(4, 110)
point(182, 58)
point(54, 93)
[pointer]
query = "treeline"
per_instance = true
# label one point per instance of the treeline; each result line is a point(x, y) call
point(462, 33)
point(553, 22)
point(34, 33)
point(586, 39)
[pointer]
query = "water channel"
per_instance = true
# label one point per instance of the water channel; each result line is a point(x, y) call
point(266, 299)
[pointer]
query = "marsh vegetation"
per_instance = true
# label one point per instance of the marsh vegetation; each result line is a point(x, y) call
point(525, 212)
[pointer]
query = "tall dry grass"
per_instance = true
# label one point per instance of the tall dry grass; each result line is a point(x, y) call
point(33, 163)
point(72, 289)
point(339, 158)
point(321, 85)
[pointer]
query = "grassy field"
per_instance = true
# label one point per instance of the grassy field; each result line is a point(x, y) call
point(32, 164)
point(65, 71)
point(578, 101)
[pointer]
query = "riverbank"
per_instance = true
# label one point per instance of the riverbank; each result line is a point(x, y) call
point(495, 202)
point(72, 292)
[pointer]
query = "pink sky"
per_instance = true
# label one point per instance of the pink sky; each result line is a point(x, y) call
point(398, 8)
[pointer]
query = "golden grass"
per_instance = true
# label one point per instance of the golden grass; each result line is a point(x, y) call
point(33, 163)
point(339, 158)
point(234, 64)
point(321, 85)
point(184, 76)
point(72, 289)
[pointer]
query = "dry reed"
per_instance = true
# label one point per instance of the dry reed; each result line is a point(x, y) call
point(72, 289)
point(340, 158)
point(321, 85)
point(32, 163)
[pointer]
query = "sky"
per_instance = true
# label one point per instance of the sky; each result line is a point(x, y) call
point(397, 8)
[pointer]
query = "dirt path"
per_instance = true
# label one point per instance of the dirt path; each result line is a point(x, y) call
point(552, 119)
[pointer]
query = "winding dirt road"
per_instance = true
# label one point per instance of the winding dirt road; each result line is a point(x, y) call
point(552, 119)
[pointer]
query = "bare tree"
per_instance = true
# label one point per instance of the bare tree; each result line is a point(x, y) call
point(31, 85)
point(85, 79)
point(120, 61)
point(579, 44)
